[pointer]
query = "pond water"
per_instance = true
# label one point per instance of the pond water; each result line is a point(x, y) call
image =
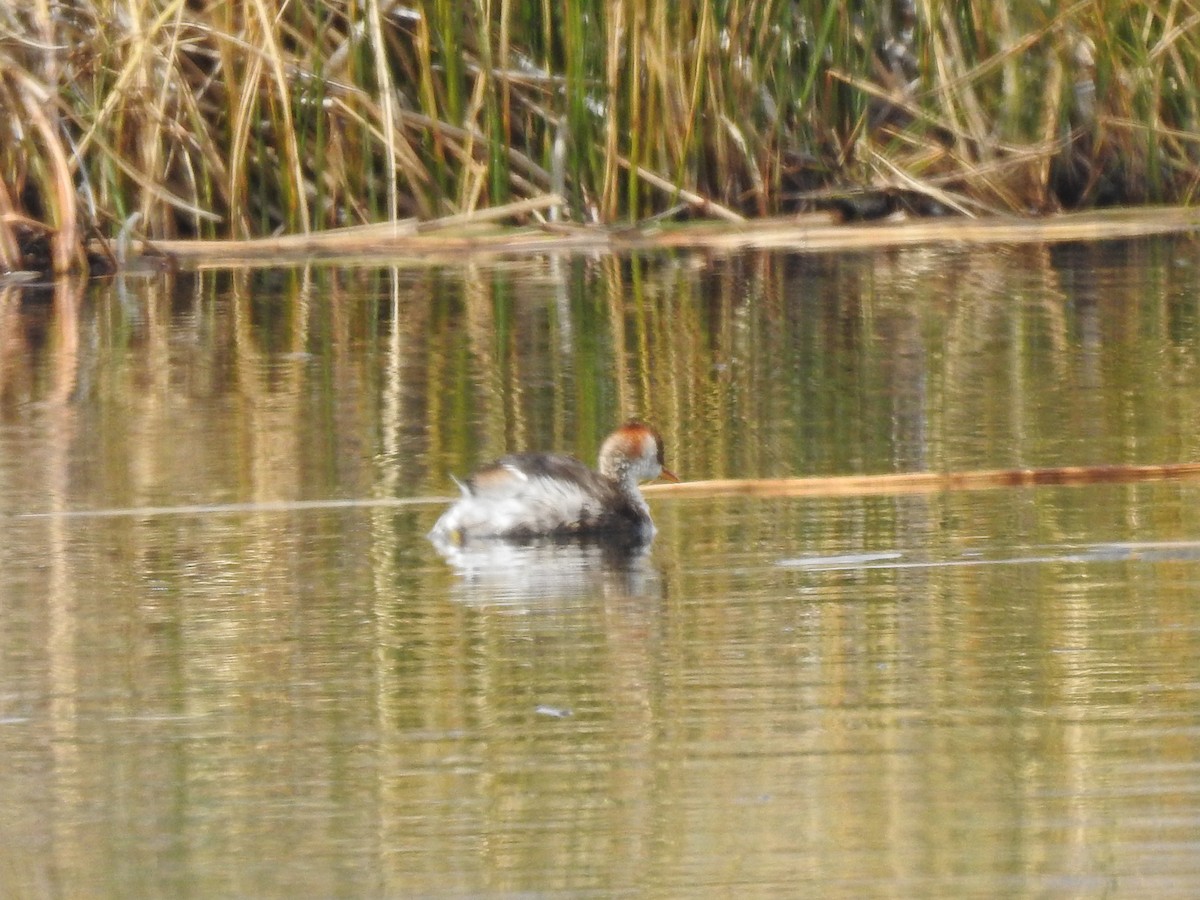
point(232, 665)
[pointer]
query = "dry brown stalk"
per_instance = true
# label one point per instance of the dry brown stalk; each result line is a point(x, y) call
point(356, 240)
point(926, 482)
point(10, 250)
point(703, 204)
point(66, 244)
point(462, 234)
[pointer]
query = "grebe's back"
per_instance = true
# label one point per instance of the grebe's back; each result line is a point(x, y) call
point(531, 494)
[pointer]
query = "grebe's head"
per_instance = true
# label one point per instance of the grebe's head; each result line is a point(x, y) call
point(634, 452)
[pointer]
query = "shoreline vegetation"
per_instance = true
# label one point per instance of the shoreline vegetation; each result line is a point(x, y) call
point(246, 129)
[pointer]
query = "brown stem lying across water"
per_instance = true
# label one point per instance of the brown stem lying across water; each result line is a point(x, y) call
point(926, 482)
point(820, 486)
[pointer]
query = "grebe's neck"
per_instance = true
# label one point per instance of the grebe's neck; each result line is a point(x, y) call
point(622, 470)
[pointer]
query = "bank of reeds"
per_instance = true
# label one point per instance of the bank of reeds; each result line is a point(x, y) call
point(168, 119)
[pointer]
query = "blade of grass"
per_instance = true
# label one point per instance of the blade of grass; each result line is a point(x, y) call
point(274, 55)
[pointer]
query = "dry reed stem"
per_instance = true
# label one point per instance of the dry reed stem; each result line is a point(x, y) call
point(903, 179)
point(812, 233)
point(290, 145)
point(926, 482)
point(66, 246)
point(614, 28)
point(775, 234)
point(493, 213)
point(381, 238)
point(10, 250)
point(703, 204)
point(383, 80)
point(903, 483)
point(420, 122)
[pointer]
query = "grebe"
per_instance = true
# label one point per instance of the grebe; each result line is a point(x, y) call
point(527, 495)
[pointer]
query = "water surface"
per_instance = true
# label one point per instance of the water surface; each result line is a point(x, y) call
point(220, 678)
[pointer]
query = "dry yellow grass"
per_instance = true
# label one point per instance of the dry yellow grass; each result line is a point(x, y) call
point(233, 121)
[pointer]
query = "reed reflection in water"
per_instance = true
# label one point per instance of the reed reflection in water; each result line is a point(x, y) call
point(220, 678)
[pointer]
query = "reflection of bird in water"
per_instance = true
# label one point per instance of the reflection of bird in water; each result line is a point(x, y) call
point(548, 572)
point(544, 494)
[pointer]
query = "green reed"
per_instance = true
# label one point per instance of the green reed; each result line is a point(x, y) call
point(243, 119)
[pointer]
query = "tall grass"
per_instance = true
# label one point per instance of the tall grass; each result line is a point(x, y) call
point(237, 119)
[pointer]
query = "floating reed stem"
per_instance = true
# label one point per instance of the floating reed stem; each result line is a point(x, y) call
point(832, 486)
point(926, 482)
